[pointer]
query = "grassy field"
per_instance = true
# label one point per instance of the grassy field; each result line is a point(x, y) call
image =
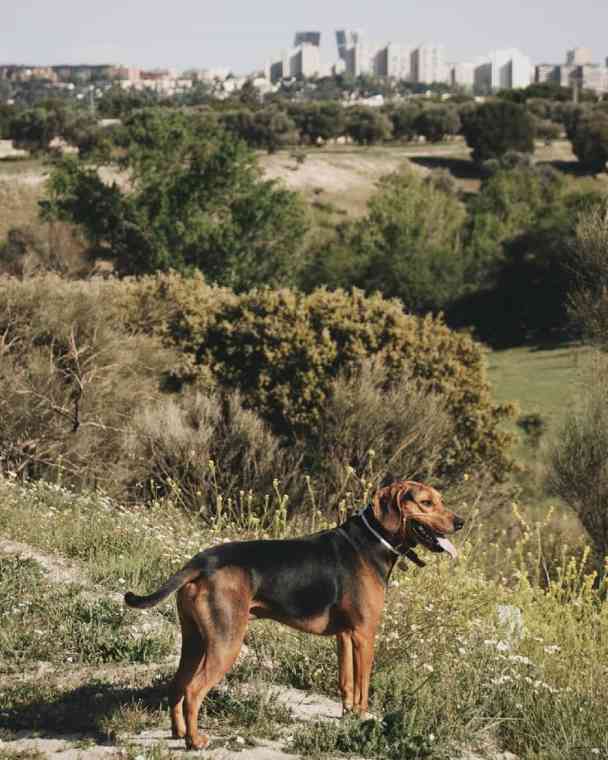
point(543, 381)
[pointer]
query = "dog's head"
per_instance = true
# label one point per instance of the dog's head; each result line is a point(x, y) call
point(414, 513)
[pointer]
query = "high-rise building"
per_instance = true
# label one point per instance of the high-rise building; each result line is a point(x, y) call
point(307, 38)
point(301, 62)
point(354, 50)
point(547, 72)
point(503, 70)
point(578, 56)
point(462, 75)
point(594, 77)
point(394, 60)
point(428, 64)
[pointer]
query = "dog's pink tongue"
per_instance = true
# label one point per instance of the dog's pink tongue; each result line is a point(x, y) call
point(447, 546)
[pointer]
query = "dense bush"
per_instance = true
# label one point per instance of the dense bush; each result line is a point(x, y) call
point(590, 141)
point(588, 306)
point(333, 375)
point(578, 468)
point(494, 128)
point(282, 351)
point(407, 246)
point(72, 377)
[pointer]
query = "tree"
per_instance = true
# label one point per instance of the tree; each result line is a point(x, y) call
point(436, 122)
point(408, 246)
point(319, 121)
point(509, 203)
point(269, 128)
point(194, 200)
point(492, 129)
point(6, 115)
point(590, 141)
point(403, 119)
point(34, 129)
point(367, 126)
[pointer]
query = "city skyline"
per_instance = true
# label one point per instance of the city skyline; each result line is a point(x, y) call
point(36, 32)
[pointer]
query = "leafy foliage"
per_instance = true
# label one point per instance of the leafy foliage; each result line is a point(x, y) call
point(578, 470)
point(590, 141)
point(194, 200)
point(367, 126)
point(437, 122)
point(282, 350)
point(588, 307)
point(494, 128)
point(408, 246)
point(323, 121)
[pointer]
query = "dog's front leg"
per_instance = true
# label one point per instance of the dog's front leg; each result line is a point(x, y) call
point(363, 657)
point(346, 677)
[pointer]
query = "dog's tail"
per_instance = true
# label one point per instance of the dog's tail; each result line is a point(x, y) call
point(175, 582)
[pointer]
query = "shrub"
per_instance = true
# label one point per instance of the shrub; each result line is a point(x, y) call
point(71, 378)
point(590, 141)
point(202, 445)
point(578, 468)
point(282, 350)
point(588, 307)
point(38, 248)
point(494, 128)
point(379, 428)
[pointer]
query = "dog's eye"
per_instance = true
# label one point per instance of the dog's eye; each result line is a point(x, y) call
point(426, 503)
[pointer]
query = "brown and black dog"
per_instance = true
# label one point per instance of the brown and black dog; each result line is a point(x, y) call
point(331, 583)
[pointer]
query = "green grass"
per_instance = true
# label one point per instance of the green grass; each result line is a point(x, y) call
point(66, 627)
point(545, 381)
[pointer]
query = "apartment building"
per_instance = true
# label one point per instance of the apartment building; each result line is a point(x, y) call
point(503, 70)
point(301, 61)
point(394, 60)
point(579, 56)
point(428, 64)
point(462, 75)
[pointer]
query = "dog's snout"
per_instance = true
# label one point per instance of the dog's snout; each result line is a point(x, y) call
point(458, 522)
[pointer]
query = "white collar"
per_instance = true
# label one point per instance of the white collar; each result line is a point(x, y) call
point(383, 541)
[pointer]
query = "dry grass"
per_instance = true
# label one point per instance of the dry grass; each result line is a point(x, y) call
point(18, 205)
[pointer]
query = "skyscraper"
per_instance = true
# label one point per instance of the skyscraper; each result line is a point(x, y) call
point(428, 64)
point(307, 38)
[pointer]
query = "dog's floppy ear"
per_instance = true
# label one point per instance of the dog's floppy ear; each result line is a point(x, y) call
point(386, 508)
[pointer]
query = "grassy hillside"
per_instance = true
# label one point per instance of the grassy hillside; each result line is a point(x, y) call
point(453, 668)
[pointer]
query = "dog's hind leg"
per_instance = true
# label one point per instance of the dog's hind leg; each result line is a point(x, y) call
point(193, 650)
point(221, 614)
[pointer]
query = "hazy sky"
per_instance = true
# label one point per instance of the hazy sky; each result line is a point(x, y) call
point(242, 34)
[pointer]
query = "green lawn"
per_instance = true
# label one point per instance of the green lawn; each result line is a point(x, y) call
point(546, 381)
